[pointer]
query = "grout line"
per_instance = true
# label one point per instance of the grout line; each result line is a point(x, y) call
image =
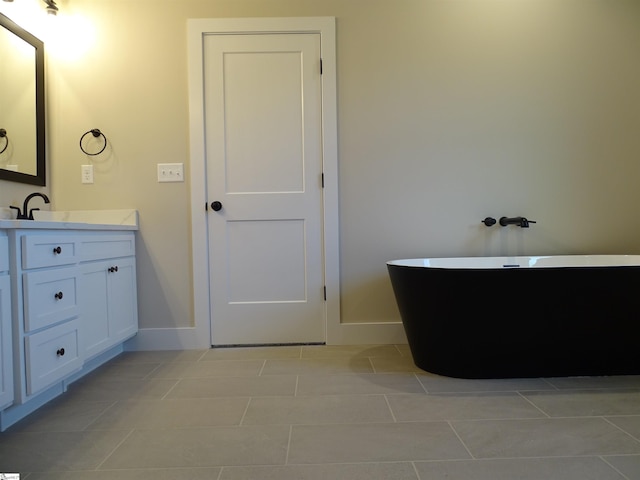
point(616, 426)
point(533, 405)
point(421, 384)
point(618, 471)
point(373, 367)
point(295, 390)
point(264, 364)
point(461, 441)
point(152, 371)
point(244, 414)
point(415, 469)
point(114, 449)
point(170, 390)
point(101, 414)
point(219, 477)
point(286, 458)
point(395, 420)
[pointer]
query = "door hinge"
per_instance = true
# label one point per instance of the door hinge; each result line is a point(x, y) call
point(206, 207)
point(322, 178)
point(320, 66)
point(325, 293)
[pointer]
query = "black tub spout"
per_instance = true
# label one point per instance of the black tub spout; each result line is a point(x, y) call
point(518, 221)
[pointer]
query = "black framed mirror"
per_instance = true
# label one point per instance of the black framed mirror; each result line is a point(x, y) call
point(22, 105)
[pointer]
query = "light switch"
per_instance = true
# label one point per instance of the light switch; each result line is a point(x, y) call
point(170, 172)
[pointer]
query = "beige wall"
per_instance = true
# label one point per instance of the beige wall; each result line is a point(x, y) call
point(448, 111)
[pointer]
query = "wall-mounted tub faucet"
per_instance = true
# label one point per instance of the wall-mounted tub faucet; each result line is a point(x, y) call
point(489, 221)
point(518, 221)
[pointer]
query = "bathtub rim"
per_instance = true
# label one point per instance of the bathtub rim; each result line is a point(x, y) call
point(522, 262)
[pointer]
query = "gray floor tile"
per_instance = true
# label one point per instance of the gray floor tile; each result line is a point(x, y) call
point(571, 468)
point(477, 406)
point(439, 384)
point(63, 414)
point(317, 410)
point(587, 403)
point(544, 437)
point(363, 384)
point(146, 474)
point(201, 447)
point(628, 465)
point(96, 389)
point(126, 370)
point(349, 351)
point(579, 383)
point(234, 387)
point(392, 442)
point(57, 451)
point(363, 471)
point(630, 424)
point(217, 368)
point(317, 366)
point(161, 356)
point(252, 353)
point(394, 365)
point(191, 412)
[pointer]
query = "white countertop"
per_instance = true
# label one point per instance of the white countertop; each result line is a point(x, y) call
point(76, 220)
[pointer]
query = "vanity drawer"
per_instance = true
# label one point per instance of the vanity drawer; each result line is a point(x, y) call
point(4, 254)
point(99, 247)
point(48, 251)
point(51, 355)
point(50, 296)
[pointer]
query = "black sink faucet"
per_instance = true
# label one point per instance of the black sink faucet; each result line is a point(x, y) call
point(519, 221)
point(22, 215)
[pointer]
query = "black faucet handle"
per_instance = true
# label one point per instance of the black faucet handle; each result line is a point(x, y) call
point(31, 213)
point(19, 215)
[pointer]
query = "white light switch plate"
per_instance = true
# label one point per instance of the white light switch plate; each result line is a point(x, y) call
point(170, 172)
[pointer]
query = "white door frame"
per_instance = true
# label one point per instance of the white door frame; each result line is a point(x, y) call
point(325, 26)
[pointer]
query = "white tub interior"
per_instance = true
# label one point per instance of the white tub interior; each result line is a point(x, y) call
point(556, 261)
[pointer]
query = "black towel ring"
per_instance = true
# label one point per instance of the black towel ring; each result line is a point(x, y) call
point(3, 134)
point(96, 133)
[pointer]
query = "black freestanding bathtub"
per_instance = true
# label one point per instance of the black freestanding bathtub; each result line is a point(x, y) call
point(498, 317)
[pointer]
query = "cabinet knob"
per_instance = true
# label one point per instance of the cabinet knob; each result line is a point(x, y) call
point(60, 352)
point(113, 269)
point(57, 250)
point(58, 296)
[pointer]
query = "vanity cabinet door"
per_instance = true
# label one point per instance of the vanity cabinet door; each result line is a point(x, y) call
point(6, 352)
point(108, 303)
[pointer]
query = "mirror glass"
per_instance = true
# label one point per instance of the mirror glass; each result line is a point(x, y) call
point(22, 137)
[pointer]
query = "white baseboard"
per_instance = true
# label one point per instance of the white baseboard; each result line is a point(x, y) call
point(194, 339)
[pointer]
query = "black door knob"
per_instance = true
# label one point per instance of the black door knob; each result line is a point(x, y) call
point(60, 352)
point(216, 206)
point(57, 250)
point(59, 296)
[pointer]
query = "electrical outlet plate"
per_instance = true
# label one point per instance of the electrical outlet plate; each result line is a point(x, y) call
point(171, 172)
point(87, 173)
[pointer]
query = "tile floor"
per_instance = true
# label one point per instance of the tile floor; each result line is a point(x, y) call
point(320, 412)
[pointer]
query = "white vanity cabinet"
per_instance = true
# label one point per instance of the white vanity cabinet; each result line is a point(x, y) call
point(6, 350)
point(47, 280)
point(107, 291)
point(73, 304)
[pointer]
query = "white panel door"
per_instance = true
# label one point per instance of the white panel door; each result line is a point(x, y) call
point(263, 135)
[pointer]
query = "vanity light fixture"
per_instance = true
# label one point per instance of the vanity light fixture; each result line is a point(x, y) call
point(52, 8)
